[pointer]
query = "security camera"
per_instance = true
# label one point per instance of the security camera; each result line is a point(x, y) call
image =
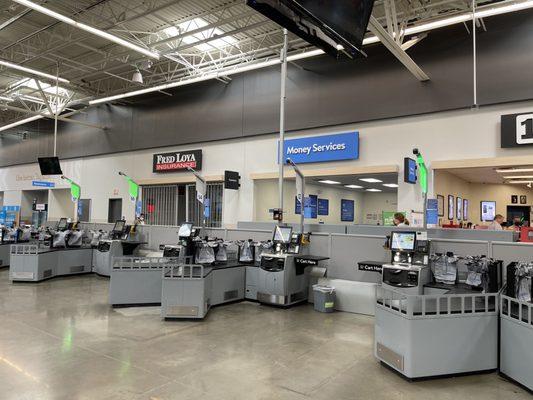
point(416, 152)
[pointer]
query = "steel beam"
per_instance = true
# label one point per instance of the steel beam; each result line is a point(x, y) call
point(388, 41)
point(59, 117)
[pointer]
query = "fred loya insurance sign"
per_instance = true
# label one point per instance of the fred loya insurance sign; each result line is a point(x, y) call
point(336, 147)
point(177, 161)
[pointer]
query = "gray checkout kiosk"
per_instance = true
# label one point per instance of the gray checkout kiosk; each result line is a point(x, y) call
point(7, 238)
point(190, 290)
point(34, 262)
point(119, 244)
point(283, 277)
point(425, 329)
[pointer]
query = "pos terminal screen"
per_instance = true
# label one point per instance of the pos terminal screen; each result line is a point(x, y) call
point(282, 234)
point(403, 241)
point(185, 230)
point(62, 224)
point(119, 226)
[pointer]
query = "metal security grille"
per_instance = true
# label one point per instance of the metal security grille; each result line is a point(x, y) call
point(160, 204)
point(194, 208)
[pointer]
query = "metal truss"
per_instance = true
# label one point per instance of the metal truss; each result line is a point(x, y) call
point(98, 68)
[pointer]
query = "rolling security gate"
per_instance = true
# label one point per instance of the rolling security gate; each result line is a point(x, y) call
point(160, 204)
point(194, 209)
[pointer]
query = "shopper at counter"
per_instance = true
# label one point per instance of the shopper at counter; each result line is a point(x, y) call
point(400, 220)
point(496, 224)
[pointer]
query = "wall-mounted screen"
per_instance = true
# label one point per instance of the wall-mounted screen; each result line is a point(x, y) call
point(488, 211)
point(409, 170)
point(347, 210)
point(459, 208)
point(310, 206)
point(440, 201)
point(451, 207)
point(465, 210)
point(323, 207)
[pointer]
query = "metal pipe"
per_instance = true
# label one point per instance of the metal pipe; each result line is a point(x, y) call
point(302, 201)
point(57, 110)
point(474, 50)
point(281, 150)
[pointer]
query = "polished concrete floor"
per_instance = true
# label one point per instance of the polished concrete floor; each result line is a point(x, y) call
point(60, 340)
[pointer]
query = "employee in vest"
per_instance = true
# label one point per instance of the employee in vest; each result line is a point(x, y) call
point(496, 224)
point(400, 220)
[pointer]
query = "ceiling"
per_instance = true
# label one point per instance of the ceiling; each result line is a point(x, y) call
point(389, 178)
point(489, 175)
point(192, 38)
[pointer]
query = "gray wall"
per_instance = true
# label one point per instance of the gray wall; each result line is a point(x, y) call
point(325, 92)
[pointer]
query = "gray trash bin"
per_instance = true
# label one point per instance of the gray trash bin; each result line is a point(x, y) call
point(324, 298)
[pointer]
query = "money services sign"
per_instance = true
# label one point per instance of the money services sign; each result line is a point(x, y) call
point(337, 147)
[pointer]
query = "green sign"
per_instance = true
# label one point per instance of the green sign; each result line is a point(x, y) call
point(75, 191)
point(133, 188)
point(388, 217)
point(423, 173)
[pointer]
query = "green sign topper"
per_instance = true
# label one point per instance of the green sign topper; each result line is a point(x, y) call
point(133, 187)
point(75, 189)
point(423, 173)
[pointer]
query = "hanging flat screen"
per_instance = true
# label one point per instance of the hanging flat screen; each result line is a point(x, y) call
point(337, 27)
point(50, 166)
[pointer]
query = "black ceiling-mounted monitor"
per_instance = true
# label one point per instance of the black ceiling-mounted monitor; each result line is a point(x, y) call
point(337, 27)
point(50, 166)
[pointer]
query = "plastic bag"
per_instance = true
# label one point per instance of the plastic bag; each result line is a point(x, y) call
point(222, 252)
point(444, 268)
point(96, 236)
point(523, 281)
point(75, 239)
point(262, 248)
point(25, 235)
point(59, 238)
point(478, 272)
point(246, 252)
point(205, 254)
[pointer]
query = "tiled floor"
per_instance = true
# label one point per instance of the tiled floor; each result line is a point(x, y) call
point(60, 340)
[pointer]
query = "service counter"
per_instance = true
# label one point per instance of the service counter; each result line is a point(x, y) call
point(34, 263)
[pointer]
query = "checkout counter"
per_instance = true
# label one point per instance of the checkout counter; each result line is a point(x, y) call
point(283, 276)
point(425, 328)
point(119, 244)
point(63, 253)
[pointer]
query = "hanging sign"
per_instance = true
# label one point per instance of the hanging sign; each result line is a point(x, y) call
point(516, 130)
point(177, 161)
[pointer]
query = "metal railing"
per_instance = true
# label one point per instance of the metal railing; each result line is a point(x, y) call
point(183, 272)
point(24, 249)
point(143, 263)
point(431, 306)
point(518, 311)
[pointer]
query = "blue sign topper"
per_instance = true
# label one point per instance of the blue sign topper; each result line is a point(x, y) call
point(342, 146)
point(43, 184)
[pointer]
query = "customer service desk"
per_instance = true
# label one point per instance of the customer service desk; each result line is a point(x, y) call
point(33, 263)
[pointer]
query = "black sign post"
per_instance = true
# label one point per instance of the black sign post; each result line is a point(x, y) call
point(231, 180)
point(178, 161)
point(516, 130)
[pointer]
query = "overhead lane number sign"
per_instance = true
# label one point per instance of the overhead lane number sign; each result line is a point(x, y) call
point(313, 149)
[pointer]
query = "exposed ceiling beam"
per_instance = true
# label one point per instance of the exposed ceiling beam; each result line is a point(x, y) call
point(388, 41)
point(38, 115)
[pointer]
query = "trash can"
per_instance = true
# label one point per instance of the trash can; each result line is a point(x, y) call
point(324, 298)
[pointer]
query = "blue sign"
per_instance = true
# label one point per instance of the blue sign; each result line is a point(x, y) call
point(2, 217)
point(342, 146)
point(43, 184)
point(323, 207)
point(432, 212)
point(80, 209)
point(138, 208)
point(347, 210)
point(11, 208)
point(207, 208)
point(310, 206)
point(410, 168)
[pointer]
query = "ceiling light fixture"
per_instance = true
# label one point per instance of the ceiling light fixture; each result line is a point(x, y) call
point(519, 182)
point(391, 185)
point(137, 77)
point(373, 190)
point(370, 180)
point(21, 122)
point(353, 187)
point(513, 170)
point(329, 182)
point(87, 28)
point(518, 177)
point(31, 71)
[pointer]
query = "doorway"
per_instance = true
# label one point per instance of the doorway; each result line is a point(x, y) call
point(522, 212)
point(115, 210)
